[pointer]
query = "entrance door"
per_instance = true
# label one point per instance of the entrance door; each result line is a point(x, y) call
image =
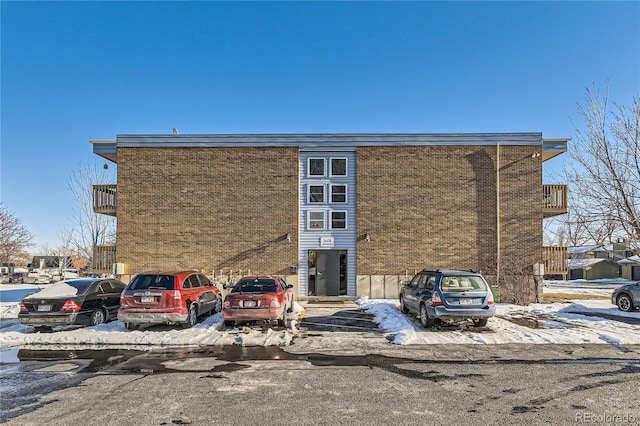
point(635, 273)
point(327, 272)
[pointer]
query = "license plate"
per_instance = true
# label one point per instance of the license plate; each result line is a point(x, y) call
point(146, 299)
point(465, 301)
point(249, 304)
point(44, 308)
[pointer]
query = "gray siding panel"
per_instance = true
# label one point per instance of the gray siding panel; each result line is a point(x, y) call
point(329, 141)
point(343, 239)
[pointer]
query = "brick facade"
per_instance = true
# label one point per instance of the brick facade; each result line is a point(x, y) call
point(208, 209)
point(435, 206)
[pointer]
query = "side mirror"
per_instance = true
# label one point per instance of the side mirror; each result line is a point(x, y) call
point(289, 285)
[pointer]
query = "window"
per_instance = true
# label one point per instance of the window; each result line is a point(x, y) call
point(338, 220)
point(316, 220)
point(422, 281)
point(338, 167)
point(431, 283)
point(204, 281)
point(338, 193)
point(283, 284)
point(316, 193)
point(316, 167)
point(415, 280)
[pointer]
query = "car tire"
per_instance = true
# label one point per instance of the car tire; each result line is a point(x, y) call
point(192, 317)
point(97, 317)
point(480, 322)
point(218, 307)
point(424, 317)
point(283, 320)
point(290, 309)
point(130, 326)
point(228, 323)
point(403, 306)
point(624, 303)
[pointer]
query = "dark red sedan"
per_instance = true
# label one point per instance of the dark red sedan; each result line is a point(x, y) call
point(255, 298)
point(17, 277)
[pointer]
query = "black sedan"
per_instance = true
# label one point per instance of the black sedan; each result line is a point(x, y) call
point(83, 301)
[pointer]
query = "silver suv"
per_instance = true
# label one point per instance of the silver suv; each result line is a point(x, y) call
point(448, 295)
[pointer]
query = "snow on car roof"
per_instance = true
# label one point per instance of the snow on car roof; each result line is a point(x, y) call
point(59, 289)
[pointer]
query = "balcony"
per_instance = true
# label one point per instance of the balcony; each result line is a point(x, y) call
point(103, 258)
point(104, 199)
point(555, 260)
point(555, 200)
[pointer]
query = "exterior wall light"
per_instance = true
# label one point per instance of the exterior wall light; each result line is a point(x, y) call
point(288, 237)
point(367, 237)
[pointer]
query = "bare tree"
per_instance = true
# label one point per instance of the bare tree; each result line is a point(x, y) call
point(87, 228)
point(604, 173)
point(14, 236)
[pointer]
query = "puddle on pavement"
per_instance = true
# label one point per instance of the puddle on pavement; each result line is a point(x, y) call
point(217, 360)
point(353, 320)
point(537, 322)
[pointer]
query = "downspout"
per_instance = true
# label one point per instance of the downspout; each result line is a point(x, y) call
point(498, 214)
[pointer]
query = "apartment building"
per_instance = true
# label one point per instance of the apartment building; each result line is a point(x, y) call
point(340, 215)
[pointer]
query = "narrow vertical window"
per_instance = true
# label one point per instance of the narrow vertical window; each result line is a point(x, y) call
point(338, 193)
point(316, 194)
point(316, 220)
point(316, 167)
point(338, 167)
point(338, 220)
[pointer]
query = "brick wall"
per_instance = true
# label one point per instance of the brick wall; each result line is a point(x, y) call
point(196, 208)
point(435, 206)
point(430, 206)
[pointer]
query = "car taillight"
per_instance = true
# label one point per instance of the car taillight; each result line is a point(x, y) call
point(70, 306)
point(23, 307)
point(274, 303)
point(177, 295)
point(435, 299)
point(490, 301)
point(123, 301)
point(227, 304)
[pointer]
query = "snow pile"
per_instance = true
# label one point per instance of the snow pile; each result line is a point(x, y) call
point(209, 332)
point(582, 322)
point(206, 333)
point(555, 323)
point(9, 310)
point(402, 331)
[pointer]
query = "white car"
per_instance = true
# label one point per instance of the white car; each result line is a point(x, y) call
point(69, 273)
point(43, 279)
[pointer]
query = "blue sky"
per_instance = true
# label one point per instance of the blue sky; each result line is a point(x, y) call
point(78, 71)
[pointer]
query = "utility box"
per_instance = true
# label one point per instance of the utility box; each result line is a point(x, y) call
point(118, 269)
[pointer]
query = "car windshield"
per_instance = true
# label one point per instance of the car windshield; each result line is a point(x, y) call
point(255, 286)
point(157, 282)
point(81, 285)
point(462, 283)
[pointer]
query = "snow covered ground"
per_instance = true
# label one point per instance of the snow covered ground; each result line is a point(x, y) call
point(575, 322)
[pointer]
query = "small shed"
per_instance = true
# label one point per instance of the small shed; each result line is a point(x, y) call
point(630, 268)
point(593, 269)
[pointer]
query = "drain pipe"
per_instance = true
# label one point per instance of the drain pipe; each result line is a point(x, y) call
point(498, 214)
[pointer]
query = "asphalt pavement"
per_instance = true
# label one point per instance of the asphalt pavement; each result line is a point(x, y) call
point(339, 369)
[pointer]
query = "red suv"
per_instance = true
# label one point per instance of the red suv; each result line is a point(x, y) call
point(175, 297)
